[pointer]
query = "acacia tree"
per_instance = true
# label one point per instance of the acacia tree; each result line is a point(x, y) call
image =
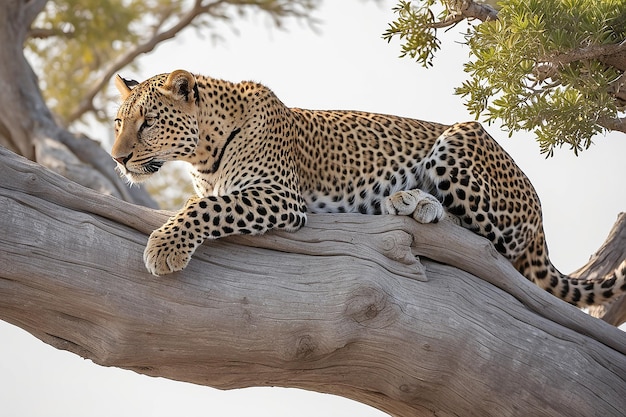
point(355, 309)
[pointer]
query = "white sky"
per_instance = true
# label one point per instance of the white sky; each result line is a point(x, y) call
point(346, 66)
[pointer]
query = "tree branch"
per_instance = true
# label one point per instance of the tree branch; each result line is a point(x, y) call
point(470, 9)
point(612, 54)
point(31, 9)
point(87, 102)
point(598, 266)
point(42, 33)
point(460, 10)
point(618, 124)
point(599, 52)
point(350, 310)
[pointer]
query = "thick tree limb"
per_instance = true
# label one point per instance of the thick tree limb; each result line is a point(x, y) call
point(342, 306)
point(598, 265)
point(589, 52)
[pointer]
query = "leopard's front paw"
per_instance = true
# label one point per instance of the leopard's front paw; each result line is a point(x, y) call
point(162, 256)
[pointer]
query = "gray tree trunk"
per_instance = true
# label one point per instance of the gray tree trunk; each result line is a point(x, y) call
point(349, 305)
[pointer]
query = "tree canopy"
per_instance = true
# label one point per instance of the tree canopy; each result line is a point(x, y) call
point(96, 39)
point(555, 67)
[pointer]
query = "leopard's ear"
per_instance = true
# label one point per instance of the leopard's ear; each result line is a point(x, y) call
point(124, 86)
point(182, 85)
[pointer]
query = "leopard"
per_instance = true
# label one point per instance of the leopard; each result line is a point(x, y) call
point(257, 165)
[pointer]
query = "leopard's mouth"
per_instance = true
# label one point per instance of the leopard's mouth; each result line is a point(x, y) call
point(152, 166)
point(140, 173)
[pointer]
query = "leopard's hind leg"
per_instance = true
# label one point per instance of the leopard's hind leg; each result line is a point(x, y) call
point(477, 181)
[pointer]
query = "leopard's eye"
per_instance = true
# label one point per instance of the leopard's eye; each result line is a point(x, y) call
point(118, 124)
point(149, 120)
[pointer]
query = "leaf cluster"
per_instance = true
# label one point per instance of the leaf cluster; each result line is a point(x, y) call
point(530, 69)
point(416, 26)
point(518, 78)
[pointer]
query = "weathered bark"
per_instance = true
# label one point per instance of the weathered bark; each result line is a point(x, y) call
point(597, 267)
point(342, 306)
point(18, 99)
point(27, 126)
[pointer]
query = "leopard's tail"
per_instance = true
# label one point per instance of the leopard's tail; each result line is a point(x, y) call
point(535, 265)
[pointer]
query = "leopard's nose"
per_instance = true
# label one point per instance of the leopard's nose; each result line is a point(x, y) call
point(122, 159)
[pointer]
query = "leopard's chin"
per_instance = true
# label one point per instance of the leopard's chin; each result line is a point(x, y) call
point(142, 173)
point(135, 178)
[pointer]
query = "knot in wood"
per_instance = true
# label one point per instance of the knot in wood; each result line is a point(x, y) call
point(306, 347)
point(31, 180)
point(409, 392)
point(396, 245)
point(491, 250)
point(369, 306)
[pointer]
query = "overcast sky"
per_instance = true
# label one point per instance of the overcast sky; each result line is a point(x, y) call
point(346, 65)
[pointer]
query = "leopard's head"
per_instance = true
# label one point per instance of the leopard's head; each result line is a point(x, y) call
point(157, 122)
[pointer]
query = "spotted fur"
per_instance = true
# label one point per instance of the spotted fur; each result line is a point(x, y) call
point(258, 165)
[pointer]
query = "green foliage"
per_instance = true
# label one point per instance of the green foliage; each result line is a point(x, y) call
point(515, 79)
point(77, 45)
point(415, 27)
point(530, 69)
